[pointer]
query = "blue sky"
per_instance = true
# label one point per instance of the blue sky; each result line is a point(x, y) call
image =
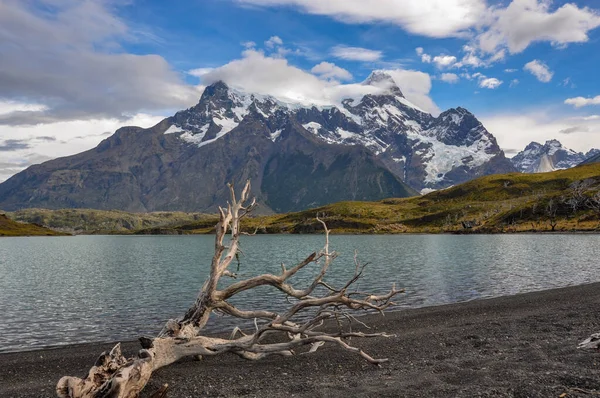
point(210, 33)
point(72, 71)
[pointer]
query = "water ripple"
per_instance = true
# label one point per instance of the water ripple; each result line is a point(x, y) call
point(56, 291)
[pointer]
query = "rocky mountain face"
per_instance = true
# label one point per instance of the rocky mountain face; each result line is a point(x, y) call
point(297, 157)
point(538, 158)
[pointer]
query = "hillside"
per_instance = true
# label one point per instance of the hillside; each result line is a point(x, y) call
point(9, 227)
point(498, 203)
point(88, 221)
point(512, 202)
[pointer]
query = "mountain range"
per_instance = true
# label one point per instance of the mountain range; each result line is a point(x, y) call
point(377, 146)
point(538, 158)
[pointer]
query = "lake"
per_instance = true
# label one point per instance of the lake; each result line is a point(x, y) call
point(64, 290)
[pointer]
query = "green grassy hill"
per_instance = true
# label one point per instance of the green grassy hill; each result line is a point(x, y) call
point(498, 203)
point(89, 221)
point(493, 204)
point(9, 227)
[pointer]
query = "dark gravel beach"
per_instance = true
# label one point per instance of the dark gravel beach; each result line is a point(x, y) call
point(517, 346)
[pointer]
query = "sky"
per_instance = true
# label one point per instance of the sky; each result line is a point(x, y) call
point(73, 71)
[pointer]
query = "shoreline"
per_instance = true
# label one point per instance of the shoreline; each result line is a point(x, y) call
point(333, 232)
point(519, 345)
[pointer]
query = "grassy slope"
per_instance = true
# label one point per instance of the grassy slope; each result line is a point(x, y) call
point(88, 221)
point(497, 203)
point(9, 227)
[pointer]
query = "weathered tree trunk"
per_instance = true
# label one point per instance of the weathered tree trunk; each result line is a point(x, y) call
point(115, 376)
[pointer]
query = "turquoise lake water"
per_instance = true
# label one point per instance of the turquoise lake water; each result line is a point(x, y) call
point(63, 290)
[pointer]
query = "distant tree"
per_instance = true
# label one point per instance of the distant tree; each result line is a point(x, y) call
point(577, 197)
point(551, 211)
point(593, 203)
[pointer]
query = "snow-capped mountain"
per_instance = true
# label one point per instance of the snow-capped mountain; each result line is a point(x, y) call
point(298, 156)
point(425, 151)
point(538, 158)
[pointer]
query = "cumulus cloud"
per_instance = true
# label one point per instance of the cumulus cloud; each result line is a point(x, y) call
point(425, 58)
point(526, 21)
point(356, 53)
point(258, 73)
point(490, 82)
point(328, 70)
point(444, 61)
point(70, 61)
point(579, 102)
point(540, 70)
point(433, 18)
point(514, 27)
point(483, 81)
point(449, 78)
point(273, 42)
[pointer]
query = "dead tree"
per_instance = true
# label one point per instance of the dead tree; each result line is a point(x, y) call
point(577, 197)
point(114, 376)
point(594, 204)
point(551, 211)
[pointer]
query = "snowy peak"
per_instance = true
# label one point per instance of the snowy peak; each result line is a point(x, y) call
point(538, 158)
point(220, 110)
point(427, 152)
point(385, 81)
point(459, 127)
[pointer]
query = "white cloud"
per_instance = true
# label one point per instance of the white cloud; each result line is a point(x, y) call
point(425, 58)
point(510, 70)
point(514, 27)
point(415, 86)
point(66, 60)
point(490, 82)
point(7, 107)
point(199, 72)
point(483, 81)
point(328, 70)
point(255, 72)
point(449, 78)
point(514, 82)
point(356, 53)
point(515, 131)
point(444, 61)
point(579, 102)
point(540, 70)
point(433, 18)
point(273, 42)
point(526, 21)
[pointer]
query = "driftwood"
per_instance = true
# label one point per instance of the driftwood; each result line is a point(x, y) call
point(115, 376)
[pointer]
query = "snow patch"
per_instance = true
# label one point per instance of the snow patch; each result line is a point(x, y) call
point(313, 127)
point(173, 129)
point(276, 135)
